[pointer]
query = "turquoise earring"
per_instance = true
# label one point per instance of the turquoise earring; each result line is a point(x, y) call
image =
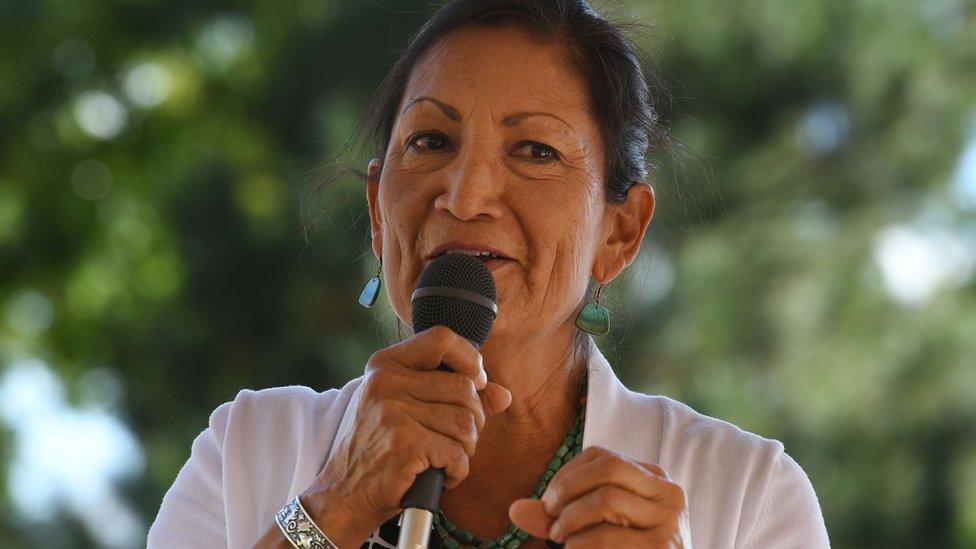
point(594, 318)
point(372, 289)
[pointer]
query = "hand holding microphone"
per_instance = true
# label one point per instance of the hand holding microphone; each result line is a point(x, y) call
point(457, 291)
point(411, 417)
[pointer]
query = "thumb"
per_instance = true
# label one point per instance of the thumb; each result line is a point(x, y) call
point(495, 398)
point(531, 516)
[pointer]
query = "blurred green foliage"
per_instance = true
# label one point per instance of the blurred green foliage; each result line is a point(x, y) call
point(153, 156)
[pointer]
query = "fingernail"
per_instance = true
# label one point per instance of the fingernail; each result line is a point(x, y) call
point(508, 398)
point(482, 373)
point(556, 532)
point(549, 501)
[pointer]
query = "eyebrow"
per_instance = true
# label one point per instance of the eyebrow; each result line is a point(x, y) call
point(511, 120)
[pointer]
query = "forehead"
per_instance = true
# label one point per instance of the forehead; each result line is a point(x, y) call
point(504, 67)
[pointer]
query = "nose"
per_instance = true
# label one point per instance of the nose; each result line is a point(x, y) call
point(472, 189)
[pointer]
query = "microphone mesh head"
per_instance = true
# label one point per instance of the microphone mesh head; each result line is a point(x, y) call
point(469, 319)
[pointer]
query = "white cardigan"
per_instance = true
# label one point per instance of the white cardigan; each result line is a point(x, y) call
point(264, 447)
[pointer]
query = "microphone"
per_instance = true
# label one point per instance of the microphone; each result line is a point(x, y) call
point(458, 291)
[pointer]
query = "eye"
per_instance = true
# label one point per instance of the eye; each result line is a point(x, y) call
point(434, 140)
point(546, 154)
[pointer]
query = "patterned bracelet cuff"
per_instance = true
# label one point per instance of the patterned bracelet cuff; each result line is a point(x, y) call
point(300, 529)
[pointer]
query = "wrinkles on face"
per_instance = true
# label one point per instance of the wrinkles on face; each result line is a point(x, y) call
point(485, 184)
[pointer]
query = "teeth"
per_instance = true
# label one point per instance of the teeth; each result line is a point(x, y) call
point(473, 252)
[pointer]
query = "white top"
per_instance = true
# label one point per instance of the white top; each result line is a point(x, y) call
point(265, 447)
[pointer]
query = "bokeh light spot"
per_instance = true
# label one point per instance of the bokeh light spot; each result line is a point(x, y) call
point(148, 84)
point(916, 263)
point(100, 115)
point(92, 287)
point(223, 40)
point(29, 312)
point(964, 180)
point(822, 130)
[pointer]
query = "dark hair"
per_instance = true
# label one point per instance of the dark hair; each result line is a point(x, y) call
point(608, 61)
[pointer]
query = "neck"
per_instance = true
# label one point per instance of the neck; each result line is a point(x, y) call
point(515, 446)
point(544, 376)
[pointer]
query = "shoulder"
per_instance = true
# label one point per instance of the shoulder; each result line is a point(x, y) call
point(275, 408)
point(685, 429)
point(737, 476)
point(662, 428)
point(256, 449)
point(272, 404)
point(659, 428)
point(273, 443)
point(702, 446)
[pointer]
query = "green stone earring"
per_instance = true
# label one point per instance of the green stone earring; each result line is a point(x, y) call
point(372, 289)
point(594, 318)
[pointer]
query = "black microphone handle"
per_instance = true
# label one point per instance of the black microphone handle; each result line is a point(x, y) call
point(425, 493)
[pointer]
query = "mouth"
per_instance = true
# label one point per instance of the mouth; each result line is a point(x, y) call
point(491, 257)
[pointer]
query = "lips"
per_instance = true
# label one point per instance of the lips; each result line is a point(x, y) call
point(481, 251)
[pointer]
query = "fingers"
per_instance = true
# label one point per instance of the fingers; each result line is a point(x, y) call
point(531, 516)
point(405, 393)
point(458, 422)
point(597, 466)
point(611, 535)
point(465, 385)
point(412, 416)
point(428, 349)
point(610, 504)
point(495, 398)
point(451, 457)
point(464, 417)
point(425, 449)
point(438, 386)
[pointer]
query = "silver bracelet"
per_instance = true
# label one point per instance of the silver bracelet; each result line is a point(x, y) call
point(300, 529)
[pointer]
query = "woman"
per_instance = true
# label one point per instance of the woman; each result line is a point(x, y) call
point(517, 128)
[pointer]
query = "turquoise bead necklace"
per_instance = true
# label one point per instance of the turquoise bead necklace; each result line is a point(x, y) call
point(454, 537)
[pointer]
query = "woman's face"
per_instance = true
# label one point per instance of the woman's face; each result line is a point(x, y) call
point(494, 148)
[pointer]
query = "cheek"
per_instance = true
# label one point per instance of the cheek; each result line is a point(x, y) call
point(560, 230)
point(563, 216)
point(402, 215)
point(574, 258)
point(403, 212)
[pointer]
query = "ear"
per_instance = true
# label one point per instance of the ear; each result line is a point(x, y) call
point(372, 198)
point(624, 228)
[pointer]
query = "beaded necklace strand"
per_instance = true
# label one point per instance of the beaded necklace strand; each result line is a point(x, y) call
point(454, 537)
